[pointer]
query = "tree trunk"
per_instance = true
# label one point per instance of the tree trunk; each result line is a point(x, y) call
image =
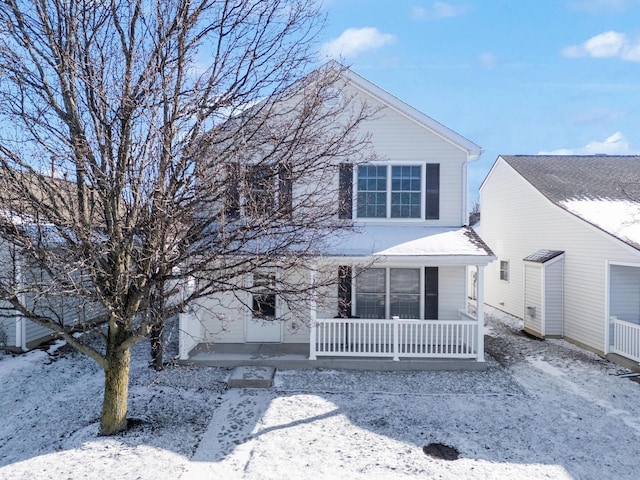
point(116, 385)
point(157, 322)
point(157, 350)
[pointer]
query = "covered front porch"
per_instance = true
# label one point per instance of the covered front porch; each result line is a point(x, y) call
point(398, 300)
point(292, 356)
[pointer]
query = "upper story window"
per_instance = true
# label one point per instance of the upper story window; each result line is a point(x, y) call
point(391, 191)
point(372, 192)
point(405, 191)
point(259, 190)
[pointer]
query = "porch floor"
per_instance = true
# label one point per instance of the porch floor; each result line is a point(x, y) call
point(293, 356)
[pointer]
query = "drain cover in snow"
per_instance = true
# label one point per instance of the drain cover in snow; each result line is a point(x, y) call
point(443, 452)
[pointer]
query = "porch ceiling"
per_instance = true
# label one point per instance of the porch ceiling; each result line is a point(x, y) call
point(458, 245)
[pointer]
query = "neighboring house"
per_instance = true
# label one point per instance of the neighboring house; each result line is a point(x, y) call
point(566, 231)
point(18, 333)
point(401, 276)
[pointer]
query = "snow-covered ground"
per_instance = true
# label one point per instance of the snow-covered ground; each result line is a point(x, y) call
point(541, 410)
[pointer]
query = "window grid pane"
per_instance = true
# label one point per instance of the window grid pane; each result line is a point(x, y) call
point(372, 192)
point(405, 306)
point(370, 293)
point(405, 292)
point(405, 191)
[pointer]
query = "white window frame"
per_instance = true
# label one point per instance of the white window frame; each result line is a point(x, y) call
point(387, 294)
point(388, 192)
point(504, 270)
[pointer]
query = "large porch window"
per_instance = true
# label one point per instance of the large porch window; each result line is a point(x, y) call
point(404, 295)
point(389, 292)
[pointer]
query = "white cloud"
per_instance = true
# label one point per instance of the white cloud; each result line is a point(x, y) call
point(438, 11)
point(606, 45)
point(354, 41)
point(488, 60)
point(616, 144)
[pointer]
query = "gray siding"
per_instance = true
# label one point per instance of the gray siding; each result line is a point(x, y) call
point(36, 333)
point(8, 325)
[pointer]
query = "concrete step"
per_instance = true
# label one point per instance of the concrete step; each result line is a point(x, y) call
point(251, 376)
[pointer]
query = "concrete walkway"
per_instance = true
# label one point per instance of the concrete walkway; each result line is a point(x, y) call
point(230, 431)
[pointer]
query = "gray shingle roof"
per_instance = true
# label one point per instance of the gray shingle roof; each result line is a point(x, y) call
point(603, 190)
point(564, 177)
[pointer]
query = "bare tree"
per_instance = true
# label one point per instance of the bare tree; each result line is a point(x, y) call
point(146, 144)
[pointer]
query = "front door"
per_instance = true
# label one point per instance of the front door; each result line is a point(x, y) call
point(263, 325)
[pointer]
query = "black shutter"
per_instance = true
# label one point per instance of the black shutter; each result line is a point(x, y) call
point(345, 195)
point(432, 192)
point(232, 200)
point(430, 293)
point(285, 189)
point(344, 291)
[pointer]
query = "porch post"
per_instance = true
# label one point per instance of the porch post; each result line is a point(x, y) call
point(480, 311)
point(312, 315)
point(396, 338)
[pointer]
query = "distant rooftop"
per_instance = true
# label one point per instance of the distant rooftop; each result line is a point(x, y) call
point(603, 190)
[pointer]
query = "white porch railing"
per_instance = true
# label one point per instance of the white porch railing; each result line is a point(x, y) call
point(346, 337)
point(625, 338)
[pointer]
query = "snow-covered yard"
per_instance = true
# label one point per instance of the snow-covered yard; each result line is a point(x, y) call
point(541, 410)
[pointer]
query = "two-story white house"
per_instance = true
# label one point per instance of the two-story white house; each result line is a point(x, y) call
point(400, 276)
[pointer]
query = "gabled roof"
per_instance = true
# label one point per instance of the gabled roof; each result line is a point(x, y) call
point(407, 110)
point(603, 190)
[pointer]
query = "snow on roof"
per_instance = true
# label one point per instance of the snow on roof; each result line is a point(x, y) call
point(603, 190)
point(620, 218)
point(409, 241)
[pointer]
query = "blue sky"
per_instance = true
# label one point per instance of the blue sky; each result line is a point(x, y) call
point(513, 76)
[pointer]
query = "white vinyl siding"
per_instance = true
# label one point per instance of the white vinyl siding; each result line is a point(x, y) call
point(532, 312)
point(452, 296)
point(517, 220)
point(403, 141)
point(553, 297)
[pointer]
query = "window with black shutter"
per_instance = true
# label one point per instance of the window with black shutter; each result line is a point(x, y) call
point(344, 291)
point(232, 200)
point(432, 192)
point(345, 194)
point(285, 189)
point(431, 293)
